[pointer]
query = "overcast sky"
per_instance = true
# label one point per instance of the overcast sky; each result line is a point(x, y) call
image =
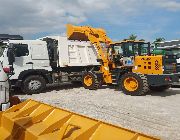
point(146, 18)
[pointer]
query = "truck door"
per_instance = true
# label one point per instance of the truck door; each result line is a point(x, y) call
point(22, 58)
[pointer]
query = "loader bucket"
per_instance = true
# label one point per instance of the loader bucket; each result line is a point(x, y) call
point(80, 33)
point(32, 120)
point(73, 34)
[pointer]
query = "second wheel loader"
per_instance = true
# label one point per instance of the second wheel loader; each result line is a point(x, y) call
point(136, 55)
point(137, 70)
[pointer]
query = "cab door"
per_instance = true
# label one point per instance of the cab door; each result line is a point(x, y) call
point(22, 59)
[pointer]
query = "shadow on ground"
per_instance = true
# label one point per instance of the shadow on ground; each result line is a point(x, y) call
point(49, 88)
point(169, 92)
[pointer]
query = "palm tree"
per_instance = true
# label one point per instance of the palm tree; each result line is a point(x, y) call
point(132, 37)
point(158, 40)
point(142, 40)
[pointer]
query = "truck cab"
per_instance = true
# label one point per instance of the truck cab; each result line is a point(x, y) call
point(30, 58)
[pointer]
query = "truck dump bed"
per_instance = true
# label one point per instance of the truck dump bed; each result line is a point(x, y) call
point(75, 53)
point(32, 120)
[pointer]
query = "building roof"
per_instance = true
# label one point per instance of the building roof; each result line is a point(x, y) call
point(172, 43)
point(4, 37)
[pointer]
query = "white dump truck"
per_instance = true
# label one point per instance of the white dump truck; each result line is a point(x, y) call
point(49, 60)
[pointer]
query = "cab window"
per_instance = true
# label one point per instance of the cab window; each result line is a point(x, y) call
point(118, 49)
point(21, 50)
point(128, 49)
point(144, 49)
point(2, 47)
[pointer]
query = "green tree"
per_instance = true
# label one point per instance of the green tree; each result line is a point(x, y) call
point(142, 40)
point(132, 37)
point(158, 40)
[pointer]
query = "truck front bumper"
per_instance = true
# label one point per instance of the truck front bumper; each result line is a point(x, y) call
point(165, 79)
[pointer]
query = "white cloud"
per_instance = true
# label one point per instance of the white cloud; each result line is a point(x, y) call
point(28, 17)
point(171, 5)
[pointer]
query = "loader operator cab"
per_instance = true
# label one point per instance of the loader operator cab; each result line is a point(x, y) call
point(123, 52)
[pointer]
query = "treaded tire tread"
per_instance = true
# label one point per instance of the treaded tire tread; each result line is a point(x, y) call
point(95, 85)
point(143, 87)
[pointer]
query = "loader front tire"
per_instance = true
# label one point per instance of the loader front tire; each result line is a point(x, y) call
point(90, 81)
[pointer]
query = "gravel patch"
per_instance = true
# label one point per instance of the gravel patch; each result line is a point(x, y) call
point(156, 114)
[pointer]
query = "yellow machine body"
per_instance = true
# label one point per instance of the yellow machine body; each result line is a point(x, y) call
point(32, 120)
point(148, 64)
point(96, 36)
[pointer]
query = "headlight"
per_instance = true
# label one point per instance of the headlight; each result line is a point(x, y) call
point(162, 68)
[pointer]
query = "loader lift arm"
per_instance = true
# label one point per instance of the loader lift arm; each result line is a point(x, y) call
point(96, 36)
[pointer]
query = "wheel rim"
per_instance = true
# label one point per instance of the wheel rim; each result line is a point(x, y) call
point(34, 85)
point(88, 80)
point(131, 84)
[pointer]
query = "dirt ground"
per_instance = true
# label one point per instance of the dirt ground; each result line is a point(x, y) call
point(156, 114)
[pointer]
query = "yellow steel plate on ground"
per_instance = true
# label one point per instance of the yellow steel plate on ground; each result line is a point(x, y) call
point(32, 120)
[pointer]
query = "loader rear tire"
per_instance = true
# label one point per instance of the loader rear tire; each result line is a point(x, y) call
point(33, 84)
point(90, 81)
point(134, 84)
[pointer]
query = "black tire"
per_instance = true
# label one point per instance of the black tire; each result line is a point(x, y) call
point(39, 84)
point(142, 88)
point(159, 88)
point(95, 83)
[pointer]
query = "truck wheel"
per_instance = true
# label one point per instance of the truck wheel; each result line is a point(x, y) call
point(33, 84)
point(134, 84)
point(90, 81)
point(159, 88)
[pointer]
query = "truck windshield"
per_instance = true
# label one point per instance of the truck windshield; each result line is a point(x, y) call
point(2, 47)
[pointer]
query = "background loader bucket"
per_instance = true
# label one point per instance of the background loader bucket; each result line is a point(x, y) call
point(32, 120)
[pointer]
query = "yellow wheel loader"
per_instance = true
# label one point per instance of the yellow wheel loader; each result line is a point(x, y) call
point(157, 72)
point(137, 70)
point(96, 36)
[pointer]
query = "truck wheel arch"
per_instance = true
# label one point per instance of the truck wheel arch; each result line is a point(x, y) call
point(44, 73)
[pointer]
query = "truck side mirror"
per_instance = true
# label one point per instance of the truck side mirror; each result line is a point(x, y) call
point(11, 57)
